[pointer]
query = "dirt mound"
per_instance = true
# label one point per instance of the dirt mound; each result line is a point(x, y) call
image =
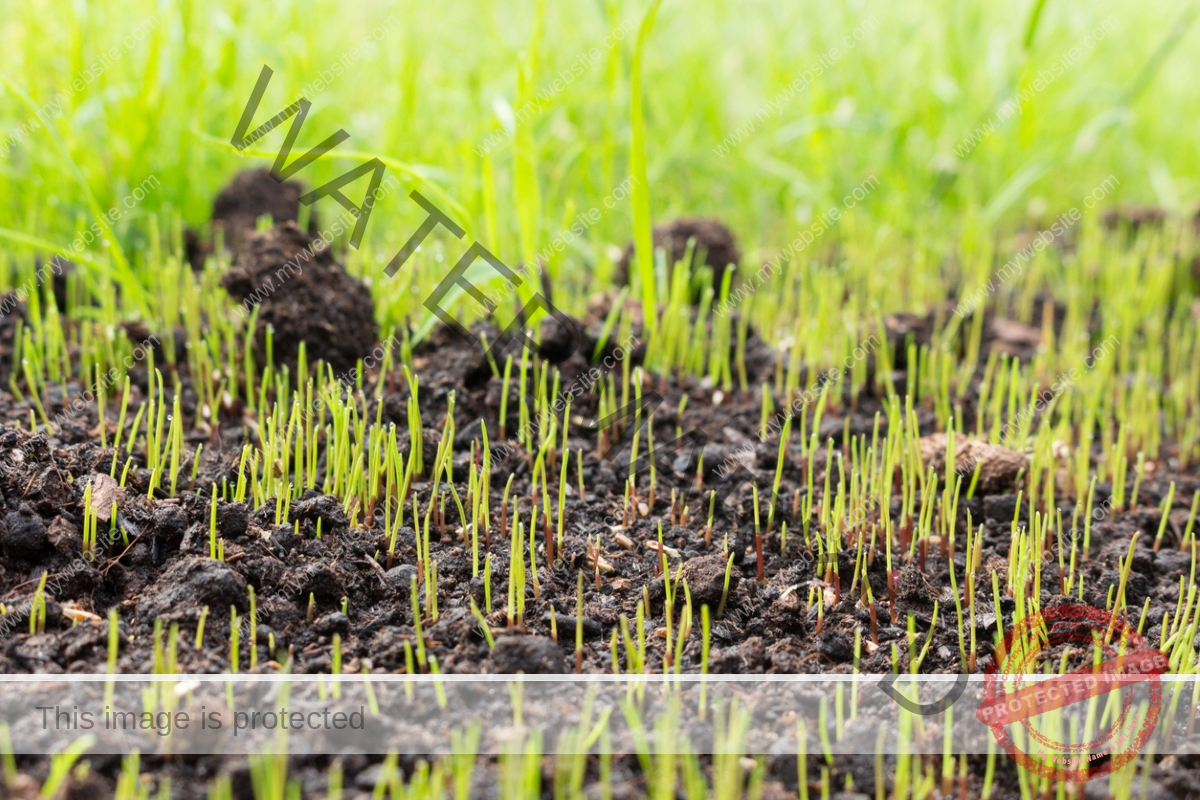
point(712, 237)
point(251, 194)
point(305, 295)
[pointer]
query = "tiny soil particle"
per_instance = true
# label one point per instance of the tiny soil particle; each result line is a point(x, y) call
point(305, 296)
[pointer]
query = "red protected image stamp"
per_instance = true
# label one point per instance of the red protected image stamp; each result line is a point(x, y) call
point(1126, 660)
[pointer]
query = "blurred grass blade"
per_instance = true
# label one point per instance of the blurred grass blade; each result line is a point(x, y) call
point(129, 281)
point(1174, 35)
point(1016, 186)
point(643, 233)
point(525, 183)
point(1035, 16)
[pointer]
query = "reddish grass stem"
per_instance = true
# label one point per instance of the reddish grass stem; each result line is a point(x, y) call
point(758, 552)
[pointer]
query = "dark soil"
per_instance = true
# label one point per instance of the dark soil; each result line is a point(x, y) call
point(305, 296)
point(158, 565)
point(250, 195)
point(767, 627)
point(763, 630)
point(715, 246)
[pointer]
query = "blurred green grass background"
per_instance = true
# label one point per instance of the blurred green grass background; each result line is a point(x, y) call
point(445, 76)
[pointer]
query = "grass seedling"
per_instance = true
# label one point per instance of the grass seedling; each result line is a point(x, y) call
point(89, 525)
point(196, 463)
point(783, 441)
point(1166, 513)
point(483, 625)
point(504, 395)
point(579, 471)
point(562, 491)
point(334, 781)
point(37, 607)
point(61, 765)
point(871, 608)
point(1126, 566)
point(579, 622)
point(487, 583)
point(212, 524)
point(962, 647)
point(254, 630)
point(234, 625)
point(416, 612)
point(335, 659)
point(758, 549)
point(1137, 481)
point(176, 437)
point(200, 628)
point(6, 755)
point(915, 664)
point(725, 588)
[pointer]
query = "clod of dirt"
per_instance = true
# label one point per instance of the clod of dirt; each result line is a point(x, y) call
point(835, 646)
point(399, 581)
point(191, 583)
point(63, 537)
point(331, 623)
point(998, 466)
point(232, 519)
point(706, 579)
point(1015, 339)
point(250, 195)
point(913, 587)
point(996, 564)
point(169, 523)
point(23, 534)
point(533, 655)
point(305, 296)
point(325, 508)
point(713, 237)
point(105, 491)
point(317, 580)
